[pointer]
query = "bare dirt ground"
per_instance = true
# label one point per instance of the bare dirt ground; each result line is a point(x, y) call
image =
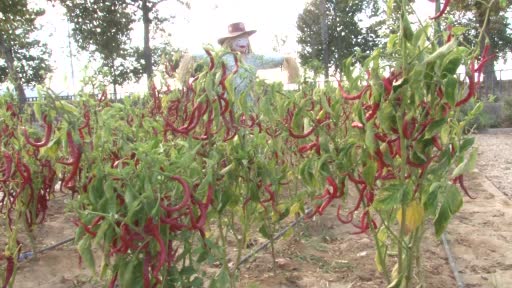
point(322, 253)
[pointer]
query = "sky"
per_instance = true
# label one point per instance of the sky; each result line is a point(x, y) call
point(204, 23)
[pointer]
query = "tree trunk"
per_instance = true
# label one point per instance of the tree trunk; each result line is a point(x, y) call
point(490, 80)
point(325, 38)
point(113, 70)
point(148, 61)
point(6, 50)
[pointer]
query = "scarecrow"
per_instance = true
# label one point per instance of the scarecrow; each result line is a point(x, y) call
point(237, 41)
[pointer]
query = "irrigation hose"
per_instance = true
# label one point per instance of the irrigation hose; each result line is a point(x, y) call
point(451, 260)
point(460, 284)
point(29, 254)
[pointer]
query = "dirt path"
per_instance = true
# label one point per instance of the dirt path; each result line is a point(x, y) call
point(481, 234)
point(323, 253)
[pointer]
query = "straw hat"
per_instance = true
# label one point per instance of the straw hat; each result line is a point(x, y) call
point(234, 30)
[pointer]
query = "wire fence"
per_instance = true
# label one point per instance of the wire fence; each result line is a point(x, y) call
point(500, 86)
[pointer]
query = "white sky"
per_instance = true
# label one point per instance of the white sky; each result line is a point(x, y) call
point(205, 22)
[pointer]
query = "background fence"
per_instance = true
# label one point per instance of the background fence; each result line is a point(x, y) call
point(500, 87)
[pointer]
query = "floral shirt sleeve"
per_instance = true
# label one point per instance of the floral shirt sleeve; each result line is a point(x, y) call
point(246, 75)
point(265, 61)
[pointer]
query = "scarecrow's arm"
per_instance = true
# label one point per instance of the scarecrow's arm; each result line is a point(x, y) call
point(265, 61)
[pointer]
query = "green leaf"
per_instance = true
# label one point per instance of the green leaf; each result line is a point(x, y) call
point(188, 271)
point(324, 103)
point(298, 121)
point(389, 7)
point(466, 144)
point(452, 62)
point(388, 197)
point(435, 127)
point(369, 173)
point(442, 218)
point(323, 165)
point(85, 250)
point(370, 137)
point(127, 272)
point(407, 31)
point(467, 165)
point(453, 199)
point(450, 89)
point(430, 201)
point(386, 116)
point(264, 231)
point(391, 42)
point(222, 279)
point(441, 52)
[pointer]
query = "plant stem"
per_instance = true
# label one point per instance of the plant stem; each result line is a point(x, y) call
point(381, 258)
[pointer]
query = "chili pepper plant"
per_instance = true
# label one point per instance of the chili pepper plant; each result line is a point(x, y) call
point(406, 154)
point(168, 182)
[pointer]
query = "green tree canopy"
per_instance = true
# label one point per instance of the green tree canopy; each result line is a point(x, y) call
point(346, 32)
point(496, 28)
point(25, 59)
point(104, 27)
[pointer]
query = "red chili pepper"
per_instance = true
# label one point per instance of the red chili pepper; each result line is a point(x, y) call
point(423, 128)
point(356, 180)
point(186, 196)
point(152, 229)
point(357, 125)
point(364, 226)
point(24, 170)
point(103, 97)
point(271, 197)
point(357, 96)
point(471, 86)
point(212, 60)
point(351, 212)
point(9, 271)
point(388, 85)
point(449, 28)
point(145, 270)
point(381, 137)
point(344, 221)
point(87, 118)
point(442, 11)
point(301, 136)
point(87, 228)
point(373, 112)
point(437, 143)
point(7, 169)
point(439, 92)
point(484, 58)
point(463, 187)
point(76, 155)
point(223, 78)
point(408, 127)
point(47, 135)
point(112, 283)
point(309, 147)
point(10, 107)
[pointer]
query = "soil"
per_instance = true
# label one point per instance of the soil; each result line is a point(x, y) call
point(323, 253)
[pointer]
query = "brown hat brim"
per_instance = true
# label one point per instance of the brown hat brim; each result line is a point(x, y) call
point(231, 35)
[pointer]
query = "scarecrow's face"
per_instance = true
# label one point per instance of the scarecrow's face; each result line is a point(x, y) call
point(241, 44)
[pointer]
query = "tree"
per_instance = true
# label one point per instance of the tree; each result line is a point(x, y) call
point(345, 32)
point(25, 58)
point(105, 27)
point(496, 28)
